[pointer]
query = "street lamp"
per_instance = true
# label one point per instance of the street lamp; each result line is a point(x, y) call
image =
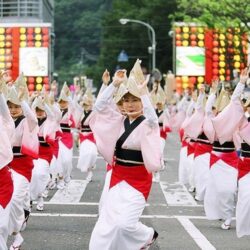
point(153, 47)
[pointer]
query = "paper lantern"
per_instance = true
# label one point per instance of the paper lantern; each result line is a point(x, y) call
point(2, 51)
point(46, 80)
point(23, 37)
point(192, 79)
point(222, 64)
point(178, 43)
point(222, 43)
point(228, 78)
point(22, 30)
point(8, 31)
point(2, 58)
point(2, 44)
point(8, 37)
point(215, 58)
point(185, 85)
point(222, 50)
point(193, 43)
point(22, 44)
point(185, 29)
point(185, 35)
point(31, 87)
point(222, 37)
point(8, 58)
point(193, 29)
point(2, 65)
point(39, 87)
point(215, 50)
point(193, 37)
point(30, 44)
point(38, 44)
point(222, 71)
point(177, 30)
point(30, 31)
point(2, 30)
point(31, 80)
point(215, 36)
point(228, 71)
point(8, 44)
point(236, 43)
point(230, 36)
point(215, 71)
point(237, 65)
point(47, 87)
point(185, 43)
point(200, 30)
point(37, 30)
point(184, 79)
point(229, 43)
point(179, 85)
point(8, 51)
point(38, 37)
point(177, 37)
point(46, 38)
point(201, 36)
point(200, 79)
point(236, 57)
point(222, 57)
point(201, 44)
point(222, 78)
point(8, 65)
point(236, 38)
point(30, 37)
point(45, 31)
point(2, 37)
point(39, 79)
point(45, 44)
point(178, 79)
point(215, 43)
point(199, 85)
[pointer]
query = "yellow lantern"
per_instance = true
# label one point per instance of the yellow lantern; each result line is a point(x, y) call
point(222, 78)
point(2, 37)
point(201, 36)
point(200, 30)
point(185, 35)
point(185, 85)
point(38, 44)
point(39, 80)
point(222, 43)
point(2, 44)
point(222, 50)
point(236, 43)
point(236, 38)
point(184, 79)
point(222, 37)
point(22, 30)
point(37, 30)
point(184, 43)
point(38, 37)
point(2, 51)
point(23, 37)
point(2, 58)
point(185, 29)
point(200, 79)
point(2, 65)
point(201, 44)
point(237, 65)
point(2, 30)
point(222, 64)
point(222, 71)
point(236, 57)
point(39, 87)
point(22, 44)
point(222, 57)
point(199, 85)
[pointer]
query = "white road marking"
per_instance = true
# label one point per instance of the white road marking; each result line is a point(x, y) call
point(177, 194)
point(196, 235)
point(72, 194)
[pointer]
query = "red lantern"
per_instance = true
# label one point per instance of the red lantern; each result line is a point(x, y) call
point(30, 31)
point(31, 80)
point(215, 58)
point(215, 43)
point(178, 79)
point(177, 30)
point(45, 31)
point(46, 80)
point(228, 78)
point(192, 79)
point(45, 44)
point(8, 37)
point(193, 37)
point(8, 51)
point(215, 64)
point(242, 65)
point(230, 36)
point(178, 43)
point(8, 65)
point(193, 43)
point(46, 38)
point(30, 37)
point(215, 71)
point(215, 50)
point(228, 72)
point(8, 31)
point(178, 36)
point(31, 87)
point(30, 44)
point(47, 87)
point(193, 29)
point(215, 35)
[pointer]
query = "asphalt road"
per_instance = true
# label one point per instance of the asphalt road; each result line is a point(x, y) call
point(68, 218)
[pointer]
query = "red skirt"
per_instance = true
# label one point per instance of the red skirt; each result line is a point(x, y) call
point(6, 187)
point(202, 149)
point(89, 136)
point(46, 153)
point(135, 176)
point(229, 158)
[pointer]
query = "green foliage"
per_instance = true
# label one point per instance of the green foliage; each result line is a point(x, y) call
point(94, 25)
point(213, 13)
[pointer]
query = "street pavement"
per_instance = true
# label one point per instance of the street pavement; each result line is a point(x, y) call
point(69, 216)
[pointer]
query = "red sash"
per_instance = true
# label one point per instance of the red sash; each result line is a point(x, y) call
point(181, 133)
point(202, 149)
point(23, 165)
point(46, 153)
point(6, 188)
point(67, 139)
point(163, 133)
point(137, 177)
point(108, 167)
point(191, 148)
point(56, 147)
point(184, 144)
point(243, 167)
point(229, 158)
point(89, 136)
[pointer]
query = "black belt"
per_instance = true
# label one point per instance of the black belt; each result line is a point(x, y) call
point(17, 152)
point(245, 149)
point(203, 142)
point(86, 130)
point(129, 157)
point(226, 147)
point(42, 143)
point(65, 128)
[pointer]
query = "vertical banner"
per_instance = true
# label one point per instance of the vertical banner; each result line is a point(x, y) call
point(209, 55)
